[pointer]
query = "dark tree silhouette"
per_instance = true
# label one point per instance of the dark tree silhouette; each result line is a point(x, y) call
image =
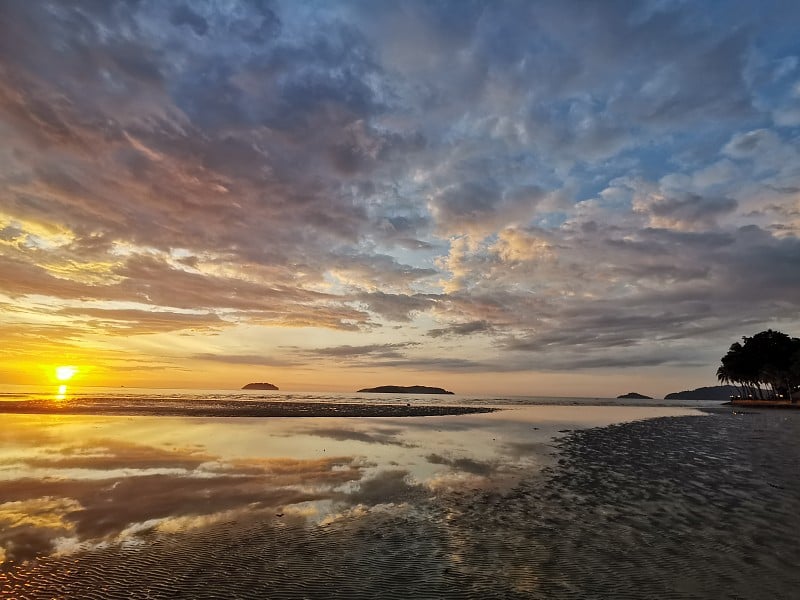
point(766, 365)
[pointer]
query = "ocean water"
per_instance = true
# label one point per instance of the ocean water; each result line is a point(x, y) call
point(189, 401)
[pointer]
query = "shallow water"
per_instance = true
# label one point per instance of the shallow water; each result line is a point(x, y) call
point(143, 400)
point(477, 506)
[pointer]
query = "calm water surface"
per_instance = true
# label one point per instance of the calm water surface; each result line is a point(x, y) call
point(65, 395)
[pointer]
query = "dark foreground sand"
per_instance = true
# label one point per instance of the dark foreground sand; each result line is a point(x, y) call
point(678, 507)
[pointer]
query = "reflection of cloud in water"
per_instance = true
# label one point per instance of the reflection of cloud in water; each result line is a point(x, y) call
point(386, 436)
point(111, 454)
point(332, 470)
point(27, 527)
point(31, 433)
point(118, 508)
point(540, 450)
point(124, 484)
point(139, 499)
point(469, 465)
point(390, 486)
point(352, 512)
point(458, 481)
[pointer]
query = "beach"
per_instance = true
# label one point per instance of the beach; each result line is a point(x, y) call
point(524, 502)
point(424, 299)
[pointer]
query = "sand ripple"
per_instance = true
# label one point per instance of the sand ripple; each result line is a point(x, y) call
point(689, 507)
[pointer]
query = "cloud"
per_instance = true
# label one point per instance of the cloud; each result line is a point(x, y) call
point(437, 363)
point(462, 329)
point(183, 15)
point(522, 170)
point(482, 206)
point(391, 350)
point(396, 307)
point(246, 359)
point(688, 211)
point(127, 321)
point(376, 272)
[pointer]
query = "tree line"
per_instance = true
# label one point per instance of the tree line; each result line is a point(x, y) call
point(765, 366)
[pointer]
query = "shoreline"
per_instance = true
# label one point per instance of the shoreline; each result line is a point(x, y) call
point(261, 409)
point(764, 403)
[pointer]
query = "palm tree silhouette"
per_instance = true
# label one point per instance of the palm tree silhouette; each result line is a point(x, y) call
point(764, 366)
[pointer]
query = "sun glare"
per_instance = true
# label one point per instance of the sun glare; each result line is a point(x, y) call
point(65, 373)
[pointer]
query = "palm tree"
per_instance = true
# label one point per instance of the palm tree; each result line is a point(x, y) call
point(724, 376)
point(769, 358)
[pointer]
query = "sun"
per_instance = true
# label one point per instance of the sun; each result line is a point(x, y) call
point(65, 373)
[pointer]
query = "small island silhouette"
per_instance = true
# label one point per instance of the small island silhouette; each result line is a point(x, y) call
point(713, 392)
point(634, 396)
point(260, 386)
point(405, 389)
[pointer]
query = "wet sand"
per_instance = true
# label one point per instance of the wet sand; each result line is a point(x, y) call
point(665, 508)
point(671, 507)
point(230, 408)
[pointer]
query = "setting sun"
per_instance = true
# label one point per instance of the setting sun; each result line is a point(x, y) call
point(65, 373)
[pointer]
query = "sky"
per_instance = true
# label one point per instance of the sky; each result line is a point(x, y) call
point(535, 197)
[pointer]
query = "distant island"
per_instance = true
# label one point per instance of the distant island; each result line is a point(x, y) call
point(405, 389)
point(714, 392)
point(260, 386)
point(634, 396)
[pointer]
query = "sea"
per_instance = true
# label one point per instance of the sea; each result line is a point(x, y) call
point(191, 401)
